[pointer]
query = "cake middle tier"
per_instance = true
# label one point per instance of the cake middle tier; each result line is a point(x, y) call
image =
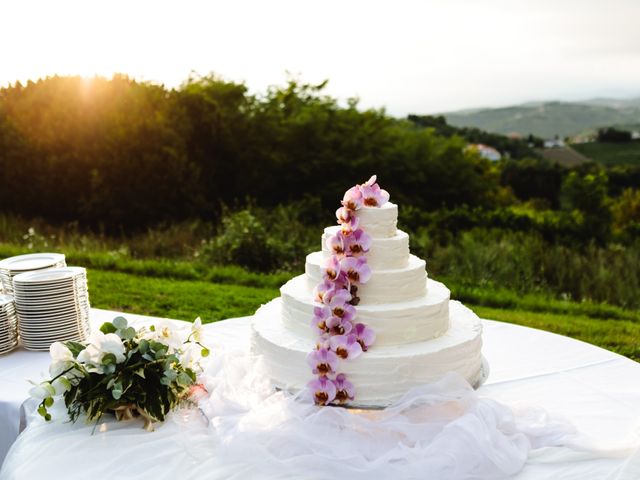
point(385, 285)
point(397, 323)
point(388, 252)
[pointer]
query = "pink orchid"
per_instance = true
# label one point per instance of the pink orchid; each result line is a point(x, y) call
point(322, 361)
point(347, 219)
point(352, 199)
point(336, 296)
point(339, 326)
point(320, 317)
point(344, 389)
point(323, 390)
point(340, 307)
point(364, 335)
point(321, 290)
point(358, 243)
point(345, 346)
point(336, 244)
point(372, 194)
point(331, 270)
point(356, 269)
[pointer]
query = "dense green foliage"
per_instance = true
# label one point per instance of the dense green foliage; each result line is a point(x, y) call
point(119, 153)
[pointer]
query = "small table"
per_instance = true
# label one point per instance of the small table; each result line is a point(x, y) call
point(597, 390)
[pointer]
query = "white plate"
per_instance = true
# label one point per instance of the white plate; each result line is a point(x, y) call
point(49, 276)
point(31, 261)
point(53, 285)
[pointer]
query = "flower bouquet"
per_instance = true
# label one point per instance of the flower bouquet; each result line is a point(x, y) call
point(123, 371)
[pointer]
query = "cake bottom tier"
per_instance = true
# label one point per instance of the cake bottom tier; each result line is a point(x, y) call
point(384, 373)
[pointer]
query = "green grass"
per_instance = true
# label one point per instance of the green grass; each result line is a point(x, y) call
point(611, 153)
point(178, 299)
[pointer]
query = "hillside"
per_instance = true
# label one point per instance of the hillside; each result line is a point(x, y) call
point(611, 153)
point(551, 118)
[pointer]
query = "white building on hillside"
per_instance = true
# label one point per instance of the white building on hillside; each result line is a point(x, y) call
point(486, 151)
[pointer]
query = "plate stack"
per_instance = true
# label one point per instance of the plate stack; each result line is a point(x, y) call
point(10, 267)
point(8, 324)
point(52, 306)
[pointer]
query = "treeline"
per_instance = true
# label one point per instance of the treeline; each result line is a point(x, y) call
point(124, 155)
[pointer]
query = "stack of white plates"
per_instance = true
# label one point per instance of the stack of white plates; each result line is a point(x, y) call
point(8, 324)
point(10, 267)
point(52, 306)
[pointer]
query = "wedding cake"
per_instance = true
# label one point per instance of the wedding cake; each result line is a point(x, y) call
point(365, 324)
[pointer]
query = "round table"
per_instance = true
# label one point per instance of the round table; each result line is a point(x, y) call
point(595, 389)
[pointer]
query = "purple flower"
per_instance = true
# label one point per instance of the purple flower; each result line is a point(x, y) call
point(331, 269)
point(352, 198)
point(323, 390)
point(322, 361)
point(344, 389)
point(321, 290)
point(356, 269)
point(336, 244)
point(339, 326)
point(372, 194)
point(358, 243)
point(320, 317)
point(345, 346)
point(347, 219)
point(340, 307)
point(336, 296)
point(364, 335)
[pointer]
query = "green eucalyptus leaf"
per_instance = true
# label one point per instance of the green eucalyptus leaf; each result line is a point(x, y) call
point(184, 379)
point(116, 391)
point(143, 346)
point(109, 359)
point(128, 333)
point(108, 327)
point(120, 323)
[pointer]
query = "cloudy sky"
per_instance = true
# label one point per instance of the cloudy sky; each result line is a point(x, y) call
point(408, 56)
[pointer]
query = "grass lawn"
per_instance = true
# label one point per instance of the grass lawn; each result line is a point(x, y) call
point(187, 299)
point(611, 153)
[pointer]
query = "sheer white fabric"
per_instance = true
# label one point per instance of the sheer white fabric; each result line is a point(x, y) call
point(441, 430)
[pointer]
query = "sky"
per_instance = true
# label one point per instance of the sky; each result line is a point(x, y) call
point(406, 56)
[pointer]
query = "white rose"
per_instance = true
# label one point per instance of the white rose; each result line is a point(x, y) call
point(111, 343)
point(61, 358)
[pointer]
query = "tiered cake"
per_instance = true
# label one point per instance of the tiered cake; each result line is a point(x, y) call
point(420, 333)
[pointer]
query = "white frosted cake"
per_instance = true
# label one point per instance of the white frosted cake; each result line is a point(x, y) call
point(420, 334)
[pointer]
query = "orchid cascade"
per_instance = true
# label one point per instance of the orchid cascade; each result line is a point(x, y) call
point(145, 372)
point(340, 337)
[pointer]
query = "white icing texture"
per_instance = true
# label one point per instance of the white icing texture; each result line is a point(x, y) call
point(385, 253)
point(384, 286)
point(382, 374)
point(379, 222)
point(397, 323)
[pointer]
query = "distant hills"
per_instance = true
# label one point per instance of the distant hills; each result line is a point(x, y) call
point(547, 119)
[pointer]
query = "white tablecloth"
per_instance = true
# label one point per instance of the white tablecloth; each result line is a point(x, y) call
point(597, 390)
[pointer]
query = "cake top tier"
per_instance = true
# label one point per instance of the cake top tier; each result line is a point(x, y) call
point(379, 222)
